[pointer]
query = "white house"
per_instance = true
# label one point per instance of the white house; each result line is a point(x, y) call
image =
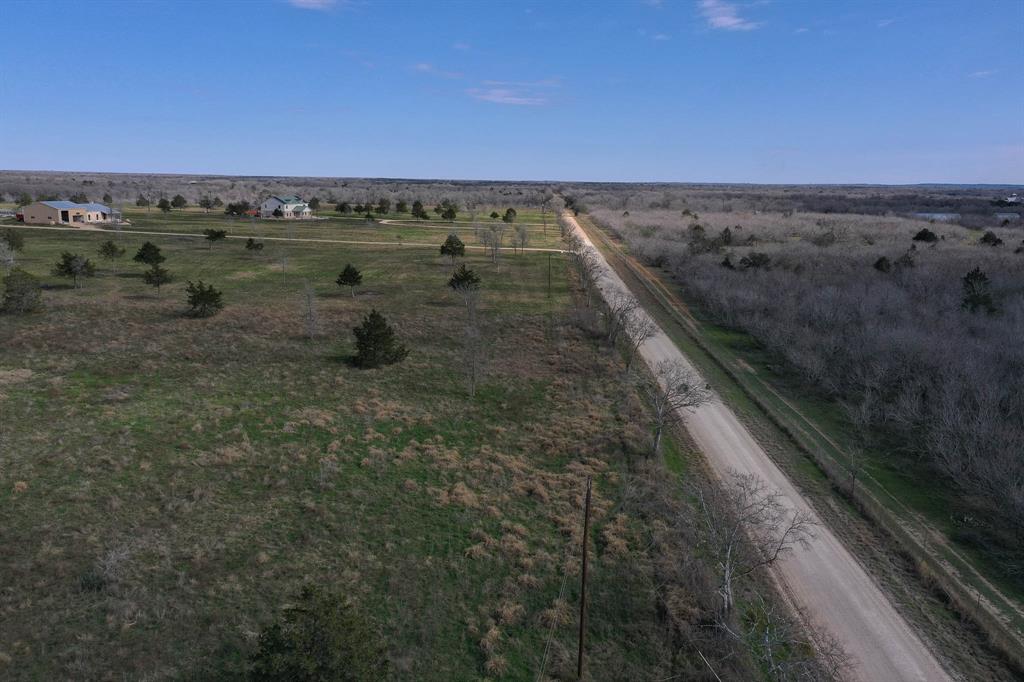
point(289, 207)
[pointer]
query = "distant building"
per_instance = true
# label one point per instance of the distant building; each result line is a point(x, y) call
point(65, 213)
point(289, 207)
point(1012, 199)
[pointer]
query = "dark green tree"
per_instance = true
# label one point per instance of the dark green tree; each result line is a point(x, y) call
point(203, 299)
point(464, 278)
point(149, 254)
point(14, 238)
point(418, 211)
point(142, 202)
point(510, 215)
point(402, 206)
point(314, 204)
point(217, 203)
point(205, 203)
point(238, 208)
point(23, 199)
point(977, 292)
point(74, 267)
point(350, 277)
point(321, 637)
point(343, 208)
point(883, 264)
point(453, 247)
point(107, 199)
point(449, 213)
point(383, 206)
point(22, 292)
point(111, 252)
point(376, 344)
point(79, 198)
point(253, 245)
point(494, 215)
point(926, 235)
point(164, 205)
point(991, 239)
point(214, 236)
point(179, 201)
point(157, 276)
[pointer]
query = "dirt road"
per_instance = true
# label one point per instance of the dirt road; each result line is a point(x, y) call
point(825, 580)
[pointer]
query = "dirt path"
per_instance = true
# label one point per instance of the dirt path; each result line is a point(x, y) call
point(825, 581)
point(311, 240)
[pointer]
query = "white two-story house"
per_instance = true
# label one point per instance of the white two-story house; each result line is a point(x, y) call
point(285, 207)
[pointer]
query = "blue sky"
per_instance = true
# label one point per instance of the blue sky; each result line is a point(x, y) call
point(694, 90)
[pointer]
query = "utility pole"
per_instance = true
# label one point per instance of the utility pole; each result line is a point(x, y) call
point(583, 583)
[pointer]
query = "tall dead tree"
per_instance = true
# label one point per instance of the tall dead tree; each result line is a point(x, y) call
point(672, 391)
point(748, 527)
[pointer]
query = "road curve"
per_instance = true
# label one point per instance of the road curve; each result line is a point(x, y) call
point(825, 581)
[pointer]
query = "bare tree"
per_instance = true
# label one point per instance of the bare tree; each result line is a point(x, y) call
point(492, 238)
point(474, 352)
point(310, 316)
point(672, 391)
point(621, 306)
point(639, 328)
point(748, 527)
point(7, 258)
point(522, 236)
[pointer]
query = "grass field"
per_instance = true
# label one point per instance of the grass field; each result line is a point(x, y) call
point(331, 225)
point(169, 483)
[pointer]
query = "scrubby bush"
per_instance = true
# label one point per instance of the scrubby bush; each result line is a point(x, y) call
point(926, 235)
point(321, 637)
point(22, 293)
point(990, 239)
point(203, 299)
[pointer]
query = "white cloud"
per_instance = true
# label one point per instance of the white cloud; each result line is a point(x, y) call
point(725, 16)
point(660, 36)
point(507, 96)
point(430, 69)
point(801, 30)
point(462, 46)
point(882, 23)
point(312, 4)
point(982, 74)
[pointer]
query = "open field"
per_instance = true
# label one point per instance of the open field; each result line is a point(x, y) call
point(169, 483)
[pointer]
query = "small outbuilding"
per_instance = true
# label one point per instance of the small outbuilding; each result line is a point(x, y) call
point(65, 213)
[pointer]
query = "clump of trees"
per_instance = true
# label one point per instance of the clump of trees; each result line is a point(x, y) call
point(237, 208)
point(376, 343)
point(321, 636)
point(918, 358)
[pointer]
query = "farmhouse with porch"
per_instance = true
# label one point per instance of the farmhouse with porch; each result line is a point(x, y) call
point(290, 207)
